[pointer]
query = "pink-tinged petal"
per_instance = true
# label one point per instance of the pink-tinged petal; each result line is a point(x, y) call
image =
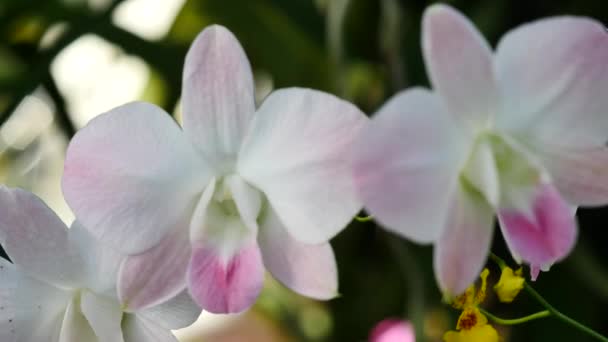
point(156, 275)
point(248, 200)
point(139, 329)
point(75, 326)
point(221, 284)
point(406, 164)
point(542, 233)
point(217, 95)
point(553, 76)
point(393, 330)
point(298, 153)
point(461, 251)
point(309, 270)
point(459, 63)
point(580, 174)
point(104, 315)
point(131, 175)
point(101, 262)
point(36, 239)
point(176, 313)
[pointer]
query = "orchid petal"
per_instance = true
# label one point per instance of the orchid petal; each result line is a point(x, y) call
point(296, 152)
point(217, 95)
point(131, 175)
point(226, 284)
point(461, 251)
point(139, 329)
point(75, 326)
point(407, 162)
point(176, 313)
point(36, 239)
point(309, 270)
point(101, 262)
point(541, 230)
point(580, 174)
point(39, 309)
point(8, 284)
point(156, 275)
point(459, 63)
point(104, 316)
point(550, 88)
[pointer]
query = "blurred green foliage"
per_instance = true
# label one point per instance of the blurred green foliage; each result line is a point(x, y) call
point(362, 50)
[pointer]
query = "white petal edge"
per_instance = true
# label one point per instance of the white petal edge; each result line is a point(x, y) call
point(157, 275)
point(297, 154)
point(459, 63)
point(461, 251)
point(176, 313)
point(217, 95)
point(36, 239)
point(131, 174)
point(309, 270)
point(407, 163)
point(75, 326)
point(550, 89)
point(101, 262)
point(104, 316)
point(139, 329)
point(579, 173)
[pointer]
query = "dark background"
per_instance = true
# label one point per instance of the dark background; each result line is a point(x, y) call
point(366, 57)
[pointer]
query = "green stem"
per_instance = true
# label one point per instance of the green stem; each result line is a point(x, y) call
point(501, 263)
point(563, 317)
point(514, 321)
point(554, 312)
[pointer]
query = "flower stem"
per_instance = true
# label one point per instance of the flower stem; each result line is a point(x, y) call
point(514, 321)
point(501, 263)
point(563, 317)
point(553, 311)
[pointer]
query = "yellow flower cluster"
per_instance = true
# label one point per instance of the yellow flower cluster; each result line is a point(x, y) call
point(472, 324)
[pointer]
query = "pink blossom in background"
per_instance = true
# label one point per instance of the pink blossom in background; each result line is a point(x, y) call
point(393, 330)
point(518, 133)
point(234, 191)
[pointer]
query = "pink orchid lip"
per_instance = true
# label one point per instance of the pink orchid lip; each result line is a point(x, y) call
point(544, 235)
point(225, 286)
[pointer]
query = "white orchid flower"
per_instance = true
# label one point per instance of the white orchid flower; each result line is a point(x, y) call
point(520, 133)
point(233, 192)
point(61, 286)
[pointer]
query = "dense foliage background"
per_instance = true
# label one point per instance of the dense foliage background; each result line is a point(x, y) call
point(362, 50)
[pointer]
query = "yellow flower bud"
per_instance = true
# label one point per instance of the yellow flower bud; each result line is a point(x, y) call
point(509, 285)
